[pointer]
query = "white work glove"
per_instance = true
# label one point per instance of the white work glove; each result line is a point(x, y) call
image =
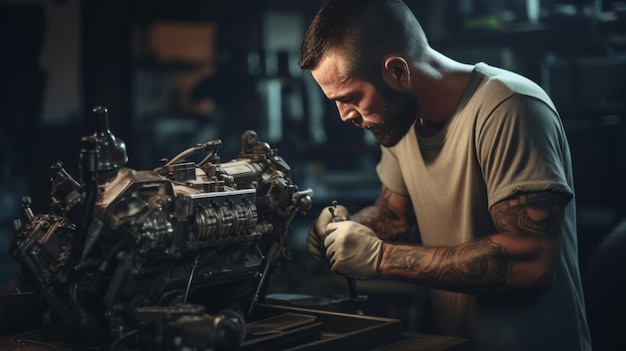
point(353, 249)
point(317, 232)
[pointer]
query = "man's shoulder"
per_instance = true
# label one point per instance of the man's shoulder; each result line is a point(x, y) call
point(498, 84)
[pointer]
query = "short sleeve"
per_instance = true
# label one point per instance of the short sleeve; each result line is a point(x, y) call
point(522, 147)
point(390, 173)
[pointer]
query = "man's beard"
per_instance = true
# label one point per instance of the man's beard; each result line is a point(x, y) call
point(400, 110)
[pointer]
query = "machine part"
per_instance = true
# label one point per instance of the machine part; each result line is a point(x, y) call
point(118, 241)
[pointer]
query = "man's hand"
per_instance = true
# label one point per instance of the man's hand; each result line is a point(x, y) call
point(317, 232)
point(353, 249)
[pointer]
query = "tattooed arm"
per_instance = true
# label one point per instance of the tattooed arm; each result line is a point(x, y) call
point(391, 217)
point(522, 255)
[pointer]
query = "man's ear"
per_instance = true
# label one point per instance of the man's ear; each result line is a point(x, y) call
point(396, 72)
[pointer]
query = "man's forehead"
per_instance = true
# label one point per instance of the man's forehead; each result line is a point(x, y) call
point(330, 74)
point(331, 67)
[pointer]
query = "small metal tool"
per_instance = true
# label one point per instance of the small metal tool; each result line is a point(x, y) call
point(354, 294)
point(336, 218)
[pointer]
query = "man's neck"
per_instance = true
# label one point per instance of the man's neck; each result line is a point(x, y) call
point(442, 82)
point(427, 129)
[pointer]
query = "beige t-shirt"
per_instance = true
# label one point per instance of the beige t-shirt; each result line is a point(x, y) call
point(504, 137)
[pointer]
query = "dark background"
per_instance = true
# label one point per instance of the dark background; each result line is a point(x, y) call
point(175, 73)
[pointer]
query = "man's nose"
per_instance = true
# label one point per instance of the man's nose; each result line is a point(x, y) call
point(345, 117)
point(347, 114)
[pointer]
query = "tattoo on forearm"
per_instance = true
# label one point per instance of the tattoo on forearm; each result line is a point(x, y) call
point(387, 224)
point(485, 262)
point(478, 264)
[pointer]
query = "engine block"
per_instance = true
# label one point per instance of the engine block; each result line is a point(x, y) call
point(118, 241)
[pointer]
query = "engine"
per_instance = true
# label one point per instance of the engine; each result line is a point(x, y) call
point(120, 246)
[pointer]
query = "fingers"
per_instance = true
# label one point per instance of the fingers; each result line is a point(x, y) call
point(351, 227)
point(329, 237)
point(340, 212)
point(317, 233)
point(315, 244)
point(326, 216)
point(353, 249)
point(330, 248)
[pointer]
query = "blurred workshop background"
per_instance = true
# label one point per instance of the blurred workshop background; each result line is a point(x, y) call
point(176, 73)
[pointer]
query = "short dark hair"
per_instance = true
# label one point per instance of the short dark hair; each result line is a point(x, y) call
point(362, 32)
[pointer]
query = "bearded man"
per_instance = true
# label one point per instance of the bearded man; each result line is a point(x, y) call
point(478, 156)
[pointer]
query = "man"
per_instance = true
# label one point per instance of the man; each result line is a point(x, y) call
point(478, 156)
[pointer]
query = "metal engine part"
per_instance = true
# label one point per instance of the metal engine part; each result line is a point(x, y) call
point(118, 240)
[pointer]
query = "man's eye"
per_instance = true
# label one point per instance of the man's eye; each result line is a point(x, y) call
point(345, 99)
